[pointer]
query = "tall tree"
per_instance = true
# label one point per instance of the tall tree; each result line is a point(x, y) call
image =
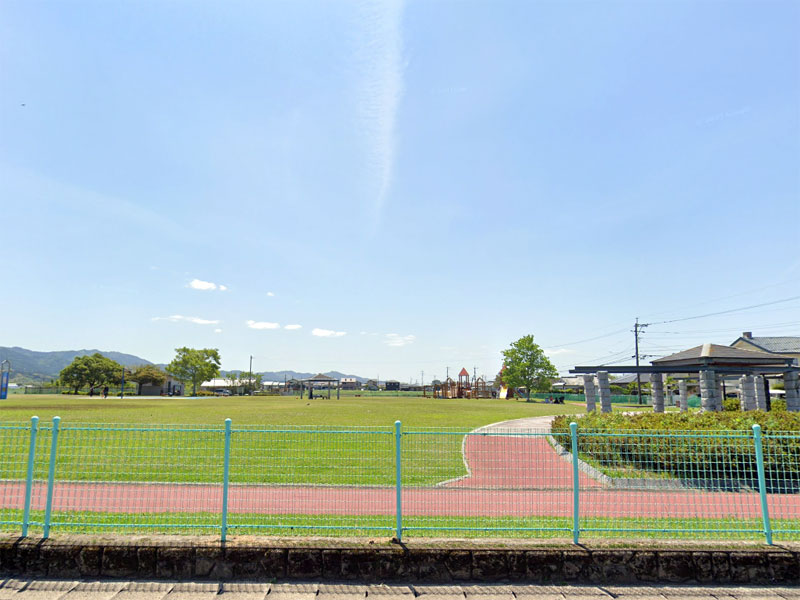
point(195, 366)
point(147, 375)
point(90, 371)
point(525, 365)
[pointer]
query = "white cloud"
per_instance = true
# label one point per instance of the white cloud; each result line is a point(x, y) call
point(199, 284)
point(218, 330)
point(381, 90)
point(195, 320)
point(327, 332)
point(396, 340)
point(270, 294)
point(295, 326)
point(557, 351)
point(262, 325)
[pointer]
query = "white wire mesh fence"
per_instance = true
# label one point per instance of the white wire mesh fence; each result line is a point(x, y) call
point(382, 481)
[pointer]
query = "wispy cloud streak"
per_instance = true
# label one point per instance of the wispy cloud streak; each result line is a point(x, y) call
point(381, 51)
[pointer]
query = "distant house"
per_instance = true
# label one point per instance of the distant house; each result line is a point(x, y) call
point(371, 385)
point(785, 345)
point(171, 387)
point(349, 383)
point(392, 385)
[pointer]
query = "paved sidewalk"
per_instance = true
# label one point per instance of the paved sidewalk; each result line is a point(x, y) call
point(39, 589)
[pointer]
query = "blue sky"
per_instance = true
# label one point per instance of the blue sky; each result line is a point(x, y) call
point(415, 184)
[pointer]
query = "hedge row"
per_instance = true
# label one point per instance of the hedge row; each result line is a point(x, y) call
point(712, 450)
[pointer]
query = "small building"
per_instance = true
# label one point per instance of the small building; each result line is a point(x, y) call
point(371, 385)
point(171, 387)
point(349, 383)
point(392, 385)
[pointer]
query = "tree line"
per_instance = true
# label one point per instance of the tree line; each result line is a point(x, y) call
point(190, 366)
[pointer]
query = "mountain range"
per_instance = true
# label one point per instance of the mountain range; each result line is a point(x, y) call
point(31, 366)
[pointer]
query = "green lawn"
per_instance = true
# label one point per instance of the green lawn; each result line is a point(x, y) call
point(413, 411)
point(275, 440)
point(537, 527)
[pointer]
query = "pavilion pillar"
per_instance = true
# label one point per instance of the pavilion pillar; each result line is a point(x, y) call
point(747, 393)
point(708, 389)
point(791, 381)
point(604, 390)
point(589, 393)
point(760, 392)
point(657, 387)
point(683, 395)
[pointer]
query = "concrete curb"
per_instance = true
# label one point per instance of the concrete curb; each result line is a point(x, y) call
point(217, 562)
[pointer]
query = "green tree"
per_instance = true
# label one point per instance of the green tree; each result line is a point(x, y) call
point(525, 365)
point(90, 371)
point(147, 375)
point(195, 366)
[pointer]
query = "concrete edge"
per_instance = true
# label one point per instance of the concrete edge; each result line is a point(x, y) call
point(219, 562)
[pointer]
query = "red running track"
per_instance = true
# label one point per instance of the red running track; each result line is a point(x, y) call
point(509, 476)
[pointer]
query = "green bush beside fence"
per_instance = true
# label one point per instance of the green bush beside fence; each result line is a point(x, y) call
point(721, 453)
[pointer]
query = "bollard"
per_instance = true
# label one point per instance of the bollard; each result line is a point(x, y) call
point(51, 477)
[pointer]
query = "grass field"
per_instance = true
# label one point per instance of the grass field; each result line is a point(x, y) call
point(413, 411)
point(277, 439)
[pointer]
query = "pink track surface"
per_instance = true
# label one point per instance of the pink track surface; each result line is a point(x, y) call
point(510, 476)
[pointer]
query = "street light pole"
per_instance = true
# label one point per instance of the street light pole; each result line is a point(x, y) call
point(250, 382)
point(122, 391)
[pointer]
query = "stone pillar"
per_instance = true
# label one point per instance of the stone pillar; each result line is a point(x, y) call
point(657, 387)
point(604, 390)
point(747, 392)
point(708, 389)
point(761, 393)
point(683, 392)
point(791, 382)
point(589, 393)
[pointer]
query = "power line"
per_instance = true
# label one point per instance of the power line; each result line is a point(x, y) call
point(599, 337)
point(725, 312)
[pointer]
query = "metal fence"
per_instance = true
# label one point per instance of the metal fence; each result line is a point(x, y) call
point(391, 481)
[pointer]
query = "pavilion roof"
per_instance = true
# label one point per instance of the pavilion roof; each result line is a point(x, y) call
point(715, 354)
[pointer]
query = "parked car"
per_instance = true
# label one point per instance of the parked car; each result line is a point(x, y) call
point(222, 392)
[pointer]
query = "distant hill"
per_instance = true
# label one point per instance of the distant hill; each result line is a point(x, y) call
point(279, 375)
point(30, 366)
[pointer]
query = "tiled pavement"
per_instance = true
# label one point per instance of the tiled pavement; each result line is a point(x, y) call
point(38, 589)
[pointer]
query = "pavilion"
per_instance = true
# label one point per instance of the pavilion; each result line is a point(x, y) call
point(317, 381)
point(709, 364)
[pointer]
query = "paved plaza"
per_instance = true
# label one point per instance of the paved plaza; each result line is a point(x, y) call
point(41, 589)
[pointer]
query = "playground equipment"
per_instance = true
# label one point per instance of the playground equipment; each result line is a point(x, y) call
point(463, 388)
point(5, 374)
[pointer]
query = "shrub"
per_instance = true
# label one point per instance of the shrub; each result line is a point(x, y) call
point(713, 447)
point(779, 405)
point(731, 404)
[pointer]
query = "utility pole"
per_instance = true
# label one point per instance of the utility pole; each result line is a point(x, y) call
point(636, 329)
point(250, 381)
point(448, 374)
point(422, 379)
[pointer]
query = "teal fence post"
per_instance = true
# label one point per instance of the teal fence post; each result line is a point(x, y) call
point(225, 477)
point(398, 434)
point(576, 529)
point(762, 483)
point(51, 477)
point(29, 479)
